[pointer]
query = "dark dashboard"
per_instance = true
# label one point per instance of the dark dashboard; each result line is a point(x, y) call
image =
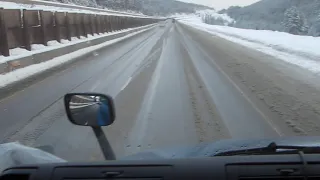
point(262, 167)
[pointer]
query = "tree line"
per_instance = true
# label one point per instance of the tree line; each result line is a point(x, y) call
point(299, 17)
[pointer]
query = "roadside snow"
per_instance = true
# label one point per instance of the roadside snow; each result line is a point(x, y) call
point(19, 74)
point(17, 51)
point(74, 39)
point(64, 41)
point(37, 46)
point(53, 43)
point(302, 51)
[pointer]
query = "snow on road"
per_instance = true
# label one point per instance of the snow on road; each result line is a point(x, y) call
point(302, 51)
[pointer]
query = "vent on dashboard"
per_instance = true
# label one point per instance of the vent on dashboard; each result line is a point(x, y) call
point(314, 178)
point(280, 178)
point(15, 176)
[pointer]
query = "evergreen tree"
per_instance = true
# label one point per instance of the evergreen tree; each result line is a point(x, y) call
point(209, 19)
point(315, 30)
point(295, 22)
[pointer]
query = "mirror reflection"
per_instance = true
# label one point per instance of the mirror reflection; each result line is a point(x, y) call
point(90, 110)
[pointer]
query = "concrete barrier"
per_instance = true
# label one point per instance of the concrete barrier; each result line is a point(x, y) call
point(36, 58)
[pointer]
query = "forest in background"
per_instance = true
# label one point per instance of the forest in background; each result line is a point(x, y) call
point(299, 17)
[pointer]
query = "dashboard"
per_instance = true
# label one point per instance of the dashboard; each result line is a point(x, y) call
point(260, 167)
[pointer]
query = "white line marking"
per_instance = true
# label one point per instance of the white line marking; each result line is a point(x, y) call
point(94, 87)
point(82, 106)
point(126, 84)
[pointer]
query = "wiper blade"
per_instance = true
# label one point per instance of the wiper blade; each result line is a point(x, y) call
point(272, 148)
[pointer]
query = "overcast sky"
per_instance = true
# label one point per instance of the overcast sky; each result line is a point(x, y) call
point(220, 4)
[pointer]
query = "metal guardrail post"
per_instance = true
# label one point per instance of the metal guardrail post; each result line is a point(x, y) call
point(57, 27)
point(43, 28)
point(26, 32)
point(4, 45)
point(67, 24)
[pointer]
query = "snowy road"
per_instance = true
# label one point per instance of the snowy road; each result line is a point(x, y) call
point(170, 87)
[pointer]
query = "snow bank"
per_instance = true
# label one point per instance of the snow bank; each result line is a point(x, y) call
point(19, 74)
point(74, 39)
point(17, 51)
point(307, 45)
point(299, 50)
point(37, 46)
point(55, 43)
point(64, 41)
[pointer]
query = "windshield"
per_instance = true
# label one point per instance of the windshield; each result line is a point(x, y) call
point(180, 74)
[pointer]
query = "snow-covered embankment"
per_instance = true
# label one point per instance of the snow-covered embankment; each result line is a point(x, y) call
point(302, 51)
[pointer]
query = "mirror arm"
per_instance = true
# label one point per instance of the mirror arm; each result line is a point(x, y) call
point(104, 143)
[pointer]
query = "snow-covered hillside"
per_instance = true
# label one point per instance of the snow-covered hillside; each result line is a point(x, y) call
point(60, 7)
point(201, 15)
point(274, 15)
point(302, 51)
point(13, 5)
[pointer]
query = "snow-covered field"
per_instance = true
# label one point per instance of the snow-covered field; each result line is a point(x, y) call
point(302, 51)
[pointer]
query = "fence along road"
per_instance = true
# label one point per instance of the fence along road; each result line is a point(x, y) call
point(21, 28)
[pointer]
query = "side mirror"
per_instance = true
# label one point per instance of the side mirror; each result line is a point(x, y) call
point(89, 109)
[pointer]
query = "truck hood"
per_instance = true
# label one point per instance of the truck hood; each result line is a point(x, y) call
point(211, 149)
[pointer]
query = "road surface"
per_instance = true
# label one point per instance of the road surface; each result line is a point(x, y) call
point(172, 86)
point(86, 115)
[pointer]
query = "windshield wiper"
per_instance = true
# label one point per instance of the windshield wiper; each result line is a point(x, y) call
point(272, 148)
